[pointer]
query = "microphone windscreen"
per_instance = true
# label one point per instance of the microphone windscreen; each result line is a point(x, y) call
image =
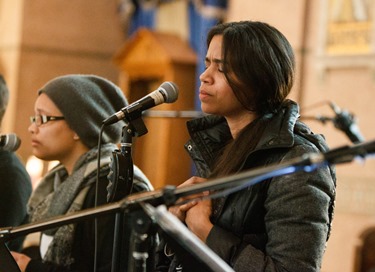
point(10, 142)
point(170, 90)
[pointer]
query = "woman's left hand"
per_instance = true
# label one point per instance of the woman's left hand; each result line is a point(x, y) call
point(198, 219)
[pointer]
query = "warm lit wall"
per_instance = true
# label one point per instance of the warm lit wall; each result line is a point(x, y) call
point(42, 39)
point(10, 37)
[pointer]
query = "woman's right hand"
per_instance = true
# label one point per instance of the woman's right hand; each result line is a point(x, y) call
point(180, 210)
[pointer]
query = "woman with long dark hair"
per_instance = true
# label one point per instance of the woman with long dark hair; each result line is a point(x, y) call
point(283, 223)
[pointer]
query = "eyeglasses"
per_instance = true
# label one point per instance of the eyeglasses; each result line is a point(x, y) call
point(39, 120)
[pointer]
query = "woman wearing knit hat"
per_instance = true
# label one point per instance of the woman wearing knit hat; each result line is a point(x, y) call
point(69, 111)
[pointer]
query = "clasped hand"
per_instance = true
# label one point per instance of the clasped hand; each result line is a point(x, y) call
point(195, 213)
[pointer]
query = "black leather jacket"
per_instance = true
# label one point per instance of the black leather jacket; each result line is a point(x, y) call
point(281, 224)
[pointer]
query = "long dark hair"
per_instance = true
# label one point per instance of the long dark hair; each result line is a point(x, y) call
point(259, 66)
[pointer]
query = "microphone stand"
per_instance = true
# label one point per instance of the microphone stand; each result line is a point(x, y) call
point(192, 252)
point(343, 120)
point(169, 194)
point(123, 188)
point(136, 246)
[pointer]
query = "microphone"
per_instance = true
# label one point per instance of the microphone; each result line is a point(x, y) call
point(9, 142)
point(345, 121)
point(166, 93)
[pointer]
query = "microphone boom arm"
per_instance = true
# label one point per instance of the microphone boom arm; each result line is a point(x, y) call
point(169, 194)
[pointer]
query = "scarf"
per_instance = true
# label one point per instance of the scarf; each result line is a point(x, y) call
point(59, 193)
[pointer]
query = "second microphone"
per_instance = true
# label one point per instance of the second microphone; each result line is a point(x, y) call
point(166, 93)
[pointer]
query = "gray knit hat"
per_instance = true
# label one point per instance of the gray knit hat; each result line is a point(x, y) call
point(85, 101)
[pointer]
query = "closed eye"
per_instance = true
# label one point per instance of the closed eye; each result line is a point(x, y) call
point(219, 64)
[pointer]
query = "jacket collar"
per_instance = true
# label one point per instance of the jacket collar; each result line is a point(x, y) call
point(279, 131)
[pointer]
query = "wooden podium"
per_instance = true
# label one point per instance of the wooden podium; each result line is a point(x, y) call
point(148, 59)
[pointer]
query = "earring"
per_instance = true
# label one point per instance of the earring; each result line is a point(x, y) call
point(76, 137)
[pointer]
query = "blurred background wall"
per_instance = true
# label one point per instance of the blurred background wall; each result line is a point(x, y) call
point(334, 41)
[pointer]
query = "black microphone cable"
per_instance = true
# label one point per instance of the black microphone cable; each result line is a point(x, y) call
point(96, 197)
